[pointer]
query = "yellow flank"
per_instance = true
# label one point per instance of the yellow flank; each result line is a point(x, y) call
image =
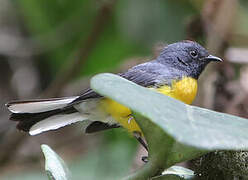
point(121, 114)
point(184, 90)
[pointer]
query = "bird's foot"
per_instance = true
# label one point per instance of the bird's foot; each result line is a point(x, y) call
point(144, 159)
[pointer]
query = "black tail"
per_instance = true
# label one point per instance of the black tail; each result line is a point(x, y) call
point(27, 120)
point(37, 116)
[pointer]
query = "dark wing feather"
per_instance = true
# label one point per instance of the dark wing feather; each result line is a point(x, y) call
point(138, 74)
point(99, 126)
point(146, 75)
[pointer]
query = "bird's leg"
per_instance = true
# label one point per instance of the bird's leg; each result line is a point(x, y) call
point(137, 135)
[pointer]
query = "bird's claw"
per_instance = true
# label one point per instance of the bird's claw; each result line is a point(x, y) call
point(144, 159)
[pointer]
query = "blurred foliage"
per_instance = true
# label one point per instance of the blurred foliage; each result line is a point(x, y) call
point(58, 29)
point(241, 24)
point(152, 22)
point(62, 26)
point(57, 26)
point(111, 160)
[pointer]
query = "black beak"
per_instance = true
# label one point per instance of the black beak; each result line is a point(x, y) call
point(213, 58)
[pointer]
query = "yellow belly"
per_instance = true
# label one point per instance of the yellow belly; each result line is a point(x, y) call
point(184, 90)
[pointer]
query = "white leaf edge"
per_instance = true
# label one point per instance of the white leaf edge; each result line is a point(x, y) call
point(179, 171)
point(54, 164)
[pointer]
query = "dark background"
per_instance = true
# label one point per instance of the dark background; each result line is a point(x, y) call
point(51, 48)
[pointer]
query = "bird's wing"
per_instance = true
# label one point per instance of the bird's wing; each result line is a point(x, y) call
point(145, 75)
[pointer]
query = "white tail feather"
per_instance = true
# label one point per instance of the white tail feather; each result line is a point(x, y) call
point(37, 106)
point(55, 122)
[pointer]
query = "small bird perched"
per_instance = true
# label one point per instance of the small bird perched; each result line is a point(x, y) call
point(173, 73)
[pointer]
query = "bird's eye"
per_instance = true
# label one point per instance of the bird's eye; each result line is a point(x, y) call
point(194, 54)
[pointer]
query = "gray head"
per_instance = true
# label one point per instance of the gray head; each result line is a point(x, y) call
point(188, 57)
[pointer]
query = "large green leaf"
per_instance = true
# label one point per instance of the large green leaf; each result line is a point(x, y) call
point(174, 131)
point(190, 125)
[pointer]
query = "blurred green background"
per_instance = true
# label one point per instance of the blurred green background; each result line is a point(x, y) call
point(52, 48)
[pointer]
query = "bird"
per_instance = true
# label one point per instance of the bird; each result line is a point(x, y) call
point(174, 73)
